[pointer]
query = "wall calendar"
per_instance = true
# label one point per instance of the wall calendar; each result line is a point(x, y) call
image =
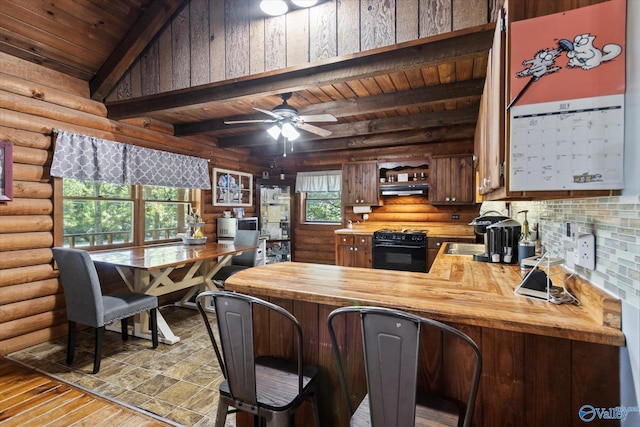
point(570, 145)
point(566, 110)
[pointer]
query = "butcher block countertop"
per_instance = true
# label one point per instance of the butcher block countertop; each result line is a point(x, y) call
point(457, 289)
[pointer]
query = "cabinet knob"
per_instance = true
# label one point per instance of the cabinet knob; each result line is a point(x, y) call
point(453, 199)
point(438, 244)
point(355, 249)
point(446, 199)
point(350, 248)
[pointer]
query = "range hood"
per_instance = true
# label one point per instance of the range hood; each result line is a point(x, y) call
point(404, 189)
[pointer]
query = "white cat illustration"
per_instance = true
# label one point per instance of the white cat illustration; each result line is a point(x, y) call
point(586, 56)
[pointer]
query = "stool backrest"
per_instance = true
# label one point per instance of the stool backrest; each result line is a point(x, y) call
point(235, 348)
point(391, 345)
point(246, 238)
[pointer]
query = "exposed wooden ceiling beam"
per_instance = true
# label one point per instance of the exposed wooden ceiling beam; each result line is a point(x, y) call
point(356, 106)
point(366, 127)
point(457, 45)
point(371, 141)
point(150, 23)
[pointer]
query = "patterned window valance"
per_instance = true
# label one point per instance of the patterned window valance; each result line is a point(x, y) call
point(86, 157)
point(322, 181)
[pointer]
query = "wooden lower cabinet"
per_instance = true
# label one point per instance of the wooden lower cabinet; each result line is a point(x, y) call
point(527, 380)
point(354, 250)
point(435, 243)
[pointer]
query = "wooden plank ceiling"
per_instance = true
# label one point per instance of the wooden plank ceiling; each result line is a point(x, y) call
point(421, 91)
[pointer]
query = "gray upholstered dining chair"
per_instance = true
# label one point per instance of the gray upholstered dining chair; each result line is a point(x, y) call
point(270, 388)
point(241, 261)
point(88, 306)
point(391, 346)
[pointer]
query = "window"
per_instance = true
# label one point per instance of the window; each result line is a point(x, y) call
point(321, 191)
point(323, 207)
point(98, 214)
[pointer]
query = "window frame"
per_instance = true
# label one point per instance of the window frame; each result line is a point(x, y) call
point(303, 209)
point(194, 199)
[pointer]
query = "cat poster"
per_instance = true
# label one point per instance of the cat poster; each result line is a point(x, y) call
point(570, 55)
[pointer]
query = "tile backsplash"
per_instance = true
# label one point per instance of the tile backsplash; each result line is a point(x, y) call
point(615, 222)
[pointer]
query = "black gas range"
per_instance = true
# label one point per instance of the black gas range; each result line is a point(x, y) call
point(400, 249)
point(402, 236)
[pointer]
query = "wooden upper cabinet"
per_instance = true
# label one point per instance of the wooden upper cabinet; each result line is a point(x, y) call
point(452, 180)
point(360, 184)
point(492, 140)
point(490, 130)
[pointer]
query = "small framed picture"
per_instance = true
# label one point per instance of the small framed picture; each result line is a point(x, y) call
point(6, 171)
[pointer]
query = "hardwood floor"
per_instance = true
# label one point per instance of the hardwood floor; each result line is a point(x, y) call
point(28, 397)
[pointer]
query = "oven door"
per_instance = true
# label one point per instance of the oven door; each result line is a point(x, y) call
point(400, 257)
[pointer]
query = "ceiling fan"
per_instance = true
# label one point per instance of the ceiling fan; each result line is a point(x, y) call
point(285, 113)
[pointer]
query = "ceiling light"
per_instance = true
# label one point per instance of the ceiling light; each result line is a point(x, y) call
point(274, 7)
point(274, 131)
point(304, 3)
point(290, 132)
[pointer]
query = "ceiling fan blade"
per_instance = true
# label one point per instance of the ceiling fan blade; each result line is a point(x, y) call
point(314, 129)
point(318, 118)
point(235, 122)
point(274, 115)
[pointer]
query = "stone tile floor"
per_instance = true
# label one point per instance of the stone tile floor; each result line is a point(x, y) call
point(178, 382)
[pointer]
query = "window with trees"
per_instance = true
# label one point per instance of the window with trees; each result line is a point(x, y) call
point(323, 206)
point(98, 214)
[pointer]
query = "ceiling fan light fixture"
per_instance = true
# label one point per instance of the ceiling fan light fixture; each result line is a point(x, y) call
point(304, 3)
point(274, 131)
point(274, 7)
point(290, 132)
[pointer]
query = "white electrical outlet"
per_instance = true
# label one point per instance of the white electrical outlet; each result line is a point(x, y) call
point(585, 255)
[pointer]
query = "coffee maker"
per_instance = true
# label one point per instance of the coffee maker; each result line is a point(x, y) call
point(480, 225)
point(503, 238)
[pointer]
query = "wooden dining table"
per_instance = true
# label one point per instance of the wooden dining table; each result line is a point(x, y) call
point(148, 269)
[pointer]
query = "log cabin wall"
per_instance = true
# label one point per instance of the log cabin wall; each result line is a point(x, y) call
point(34, 101)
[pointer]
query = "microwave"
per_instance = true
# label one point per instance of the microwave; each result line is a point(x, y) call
point(227, 226)
point(248, 223)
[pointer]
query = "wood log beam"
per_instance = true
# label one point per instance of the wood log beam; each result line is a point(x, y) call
point(25, 257)
point(15, 276)
point(20, 309)
point(25, 223)
point(40, 92)
point(457, 45)
point(142, 32)
point(356, 106)
point(371, 141)
point(18, 343)
point(416, 123)
point(27, 291)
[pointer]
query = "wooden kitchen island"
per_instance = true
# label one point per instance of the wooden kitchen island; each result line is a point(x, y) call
point(541, 362)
